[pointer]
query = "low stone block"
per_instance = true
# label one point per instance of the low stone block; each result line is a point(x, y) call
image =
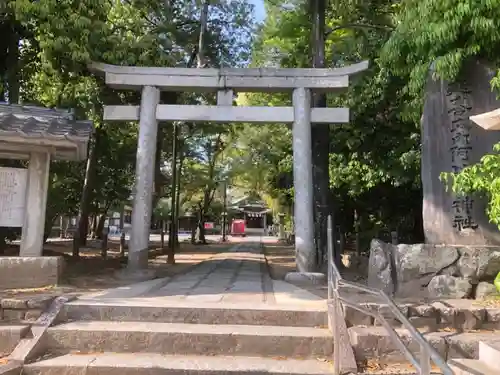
point(466, 345)
point(493, 317)
point(13, 315)
point(14, 303)
point(375, 342)
point(389, 316)
point(30, 272)
point(354, 317)
point(305, 278)
point(423, 323)
point(424, 311)
point(462, 315)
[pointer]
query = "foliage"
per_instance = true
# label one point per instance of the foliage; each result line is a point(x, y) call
point(443, 33)
point(373, 159)
point(58, 41)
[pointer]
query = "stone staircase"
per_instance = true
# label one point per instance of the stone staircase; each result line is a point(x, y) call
point(117, 338)
point(487, 364)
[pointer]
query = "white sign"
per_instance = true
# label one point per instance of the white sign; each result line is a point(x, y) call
point(13, 185)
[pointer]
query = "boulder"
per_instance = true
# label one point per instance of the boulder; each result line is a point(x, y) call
point(405, 270)
point(479, 263)
point(485, 290)
point(417, 264)
point(380, 266)
point(445, 286)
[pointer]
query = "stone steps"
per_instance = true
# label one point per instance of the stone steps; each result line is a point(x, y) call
point(180, 338)
point(488, 362)
point(157, 364)
point(182, 312)
point(375, 342)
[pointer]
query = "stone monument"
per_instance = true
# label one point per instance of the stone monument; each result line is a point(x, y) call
point(450, 142)
point(38, 135)
point(461, 254)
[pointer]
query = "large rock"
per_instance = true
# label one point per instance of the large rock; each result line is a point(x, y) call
point(481, 263)
point(380, 266)
point(444, 286)
point(417, 264)
point(450, 141)
point(406, 269)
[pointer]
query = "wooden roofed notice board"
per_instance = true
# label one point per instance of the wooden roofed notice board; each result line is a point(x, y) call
point(13, 185)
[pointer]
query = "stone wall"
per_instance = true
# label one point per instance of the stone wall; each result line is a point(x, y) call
point(435, 271)
point(30, 272)
point(460, 315)
point(450, 141)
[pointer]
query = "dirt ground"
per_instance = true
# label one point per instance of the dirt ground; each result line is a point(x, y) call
point(91, 273)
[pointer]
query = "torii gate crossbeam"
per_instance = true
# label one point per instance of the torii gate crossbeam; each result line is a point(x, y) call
point(223, 81)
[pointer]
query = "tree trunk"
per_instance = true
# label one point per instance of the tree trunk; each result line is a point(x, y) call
point(201, 229)
point(13, 67)
point(178, 190)
point(193, 232)
point(100, 225)
point(320, 135)
point(158, 179)
point(173, 225)
point(80, 238)
point(93, 226)
point(3, 242)
point(201, 39)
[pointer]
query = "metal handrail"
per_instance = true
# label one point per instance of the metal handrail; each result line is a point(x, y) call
point(335, 282)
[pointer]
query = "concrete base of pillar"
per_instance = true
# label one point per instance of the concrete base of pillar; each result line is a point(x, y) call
point(135, 276)
point(30, 272)
point(306, 278)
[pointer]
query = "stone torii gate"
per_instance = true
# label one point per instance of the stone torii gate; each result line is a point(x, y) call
point(224, 81)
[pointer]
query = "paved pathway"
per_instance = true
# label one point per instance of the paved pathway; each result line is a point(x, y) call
point(238, 276)
point(234, 276)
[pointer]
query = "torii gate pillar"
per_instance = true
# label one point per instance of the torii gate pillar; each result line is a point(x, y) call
point(144, 180)
point(303, 181)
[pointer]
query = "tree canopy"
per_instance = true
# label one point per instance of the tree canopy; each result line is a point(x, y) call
point(374, 161)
